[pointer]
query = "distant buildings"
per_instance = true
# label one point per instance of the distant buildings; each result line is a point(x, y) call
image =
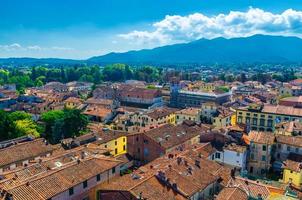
point(196, 95)
point(265, 117)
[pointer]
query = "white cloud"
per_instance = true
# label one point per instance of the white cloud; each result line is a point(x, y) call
point(18, 47)
point(176, 28)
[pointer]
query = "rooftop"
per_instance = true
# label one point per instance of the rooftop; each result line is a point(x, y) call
point(48, 178)
point(232, 193)
point(189, 111)
point(160, 178)
point(24, 151)
point(169, 135)
point(261, 137)
point(161, 112)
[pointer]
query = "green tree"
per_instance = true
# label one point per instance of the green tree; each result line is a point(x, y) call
point(26, 127)
point(19, 115)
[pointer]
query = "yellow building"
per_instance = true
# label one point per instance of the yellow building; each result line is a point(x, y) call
point(265, 117)
point(114, 141)
point(292, 173)
point(73, 102)
point(155, 117)
point(233, 119)
point(223, 117)
point(192, 114)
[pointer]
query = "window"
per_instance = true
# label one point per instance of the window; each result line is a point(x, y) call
point(254, 121)
point(98, 177)
point(217, 155)
point(263, 148)
point(124, 139)
point(288, 148)
point(138, 150)
point(270, 123)
point(213, 157)
point(85, 184)
point(115, 150)
point(279, 146)
point(137, 139)
point(124, 147)
point(263, 158)
point(238, 154)
point(113, 170)
point(297, 150)
point(262, 122)
point(115, 143)
point(71, 191)
point(239, 119)
point(247, 120)
point(252, 157)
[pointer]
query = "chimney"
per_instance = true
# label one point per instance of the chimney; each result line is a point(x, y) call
point(82, 155)
point(197, 163)
point(140, 197)
point(179, 160)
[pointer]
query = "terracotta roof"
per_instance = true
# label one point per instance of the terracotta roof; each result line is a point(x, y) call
point(136, 92)
point(290, 126)
point(261, 137)
point(282, 110)
point(292, 165)
point(252, 188)
point(105, 102)
point(289, 140)
point(235, 147)
point(60, 180)
point(205, 149)
point(156, 179)
point(296, 81)
point(232, 193)
point(24, 151)
point(108, 135)
point(97, 111)
point(161, 112)
point(169, 135)
point(189, 111)
point(74, 100)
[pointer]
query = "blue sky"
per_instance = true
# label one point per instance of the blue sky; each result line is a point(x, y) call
point(83, 28)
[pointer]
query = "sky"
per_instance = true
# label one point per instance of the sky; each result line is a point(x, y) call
point(79, 29)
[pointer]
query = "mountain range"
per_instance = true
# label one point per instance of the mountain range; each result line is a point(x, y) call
point(257, 48)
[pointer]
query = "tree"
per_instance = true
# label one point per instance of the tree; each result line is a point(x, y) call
point(63, 124)
point(6, 126)
point(17, 124)
point(26, 127)
point(74, 122)
point(49, 118)
point(19, 115)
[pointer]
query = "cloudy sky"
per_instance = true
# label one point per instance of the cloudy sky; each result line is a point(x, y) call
point(80, 29)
